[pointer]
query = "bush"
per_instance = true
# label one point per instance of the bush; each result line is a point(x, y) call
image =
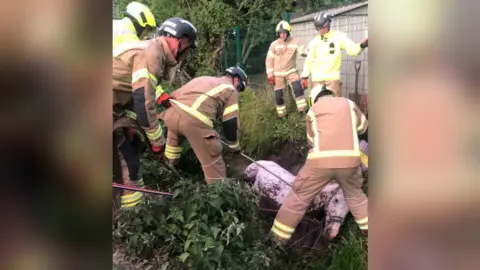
point(262, 132)
point(202, 227)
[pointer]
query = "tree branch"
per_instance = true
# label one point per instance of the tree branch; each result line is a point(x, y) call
point(250, 47)
point(257, 5)
point(245, 40)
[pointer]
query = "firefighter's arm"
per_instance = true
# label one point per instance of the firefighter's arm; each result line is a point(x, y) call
point(310, 135)
point(307, 66)
point(269, 60)
point(361, 120)
point(350, 47)
point(156, 65)
point(231, 122)
point(144, 101)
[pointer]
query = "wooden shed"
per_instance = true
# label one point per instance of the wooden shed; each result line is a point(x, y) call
point(353, 20)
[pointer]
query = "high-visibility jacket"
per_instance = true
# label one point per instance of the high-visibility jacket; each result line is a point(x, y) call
point(333, 125)
point(205, 98)
point(281, 57)
point(138, 68)
point(324, 56)
point(123, 31)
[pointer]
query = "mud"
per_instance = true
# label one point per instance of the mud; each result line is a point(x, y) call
point(288, 157)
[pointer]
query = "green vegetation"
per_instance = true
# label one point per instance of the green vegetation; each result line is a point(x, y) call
point(261, 131)
point(220, 226)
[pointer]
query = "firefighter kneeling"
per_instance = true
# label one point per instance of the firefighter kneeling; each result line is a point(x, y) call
point(193, 109)
point(333, 155)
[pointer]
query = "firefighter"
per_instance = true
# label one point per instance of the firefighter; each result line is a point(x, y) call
point(280, 65)
point(138, 69)
point(194, 109)
point(333, 124)
point(136, 25)
point(324, 56)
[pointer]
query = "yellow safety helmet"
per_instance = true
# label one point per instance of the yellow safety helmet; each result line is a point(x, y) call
point(283, 26)
point(141, 14)
point(315, 92)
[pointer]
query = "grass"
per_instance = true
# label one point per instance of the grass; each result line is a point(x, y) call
point(261, 131)
point(219, 226)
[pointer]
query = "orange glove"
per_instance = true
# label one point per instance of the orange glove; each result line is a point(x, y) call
point(271, 80)
point(305, 83)
point(164, 100)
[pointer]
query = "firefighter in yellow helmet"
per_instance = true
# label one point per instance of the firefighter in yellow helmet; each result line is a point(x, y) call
point(138, 69)
point(281, 65)
point(333, 124)
point(138, 22)
point(324, 57)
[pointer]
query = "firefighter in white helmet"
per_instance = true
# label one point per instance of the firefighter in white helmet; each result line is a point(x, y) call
point(333, 125)
point(136, 24)
point(324, 57)
point(280, 65)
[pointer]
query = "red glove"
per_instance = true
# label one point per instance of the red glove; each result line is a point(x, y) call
point(305, 83)
point(271, 80)
point(157, 152)
point(164, 100)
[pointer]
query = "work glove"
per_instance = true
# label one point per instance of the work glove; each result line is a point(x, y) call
point(157, 152)
point(164, 100)
point(305, 83)
point(271, 80)
point(364, 43)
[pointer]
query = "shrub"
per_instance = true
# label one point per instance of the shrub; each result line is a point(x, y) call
point(202, 227)
point(262, 132)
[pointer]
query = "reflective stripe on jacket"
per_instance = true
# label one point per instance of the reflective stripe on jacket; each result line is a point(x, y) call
point(205, 98)
point(138, 68)
point(324, 56)
point(281, 57)
point(333, 125)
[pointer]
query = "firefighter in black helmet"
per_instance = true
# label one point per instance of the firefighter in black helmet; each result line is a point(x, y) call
point(324, 58)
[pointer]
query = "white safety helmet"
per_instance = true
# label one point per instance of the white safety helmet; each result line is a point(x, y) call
point(315, 92)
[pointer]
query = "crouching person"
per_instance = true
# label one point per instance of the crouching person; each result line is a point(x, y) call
point(193, 109)
point(335, 155)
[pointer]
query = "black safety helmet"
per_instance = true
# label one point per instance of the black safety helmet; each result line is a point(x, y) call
point(323, 19)
point(178, 28)
point(239, 73)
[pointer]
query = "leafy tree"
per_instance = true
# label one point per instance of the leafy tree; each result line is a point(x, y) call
point(308, 6)
point(215, 19)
